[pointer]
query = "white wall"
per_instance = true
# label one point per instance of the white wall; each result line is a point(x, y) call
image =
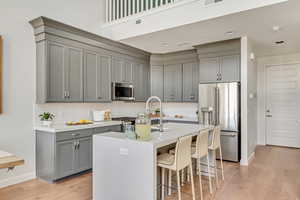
point(248, 104)
point(262, 62)
point(16, 123)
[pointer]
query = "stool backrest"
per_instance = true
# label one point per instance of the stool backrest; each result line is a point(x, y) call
point(183, 152)
point(202, 143)
point(216, 139)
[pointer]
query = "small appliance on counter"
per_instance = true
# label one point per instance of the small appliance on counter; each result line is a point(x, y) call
point(99, 116)
point(122, 91)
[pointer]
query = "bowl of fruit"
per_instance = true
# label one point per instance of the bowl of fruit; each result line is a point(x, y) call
point(80, 122)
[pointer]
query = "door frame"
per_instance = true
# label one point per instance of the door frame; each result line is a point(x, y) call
point(262, 93)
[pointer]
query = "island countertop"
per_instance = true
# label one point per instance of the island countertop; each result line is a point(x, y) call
point(172, 131)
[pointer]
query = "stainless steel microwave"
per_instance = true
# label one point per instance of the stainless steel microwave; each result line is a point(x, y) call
point(122, 91)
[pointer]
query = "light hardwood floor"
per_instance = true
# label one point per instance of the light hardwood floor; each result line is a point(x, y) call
point(274, 174)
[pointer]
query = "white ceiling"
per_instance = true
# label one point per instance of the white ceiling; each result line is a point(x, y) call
point(257, 24)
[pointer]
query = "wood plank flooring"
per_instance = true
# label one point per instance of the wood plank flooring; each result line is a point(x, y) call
point(274, 174)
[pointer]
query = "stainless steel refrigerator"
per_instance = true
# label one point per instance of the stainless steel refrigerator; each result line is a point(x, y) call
point(219, 104)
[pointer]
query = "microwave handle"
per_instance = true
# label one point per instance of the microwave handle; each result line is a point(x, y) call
point(113, 94)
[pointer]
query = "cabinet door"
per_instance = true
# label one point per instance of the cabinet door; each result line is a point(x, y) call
point(84, 154)
point(97, 77)
point(117, 70)
point(74, 74)
point(209, 69)
point(190, 82)
point(173, 83)
point(65, 158)
point(56, 67)
point(127, 72)
point(141, 81)
point(157, 81)
point(230, 68)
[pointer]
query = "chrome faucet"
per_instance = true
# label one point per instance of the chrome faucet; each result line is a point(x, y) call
point(161, 128)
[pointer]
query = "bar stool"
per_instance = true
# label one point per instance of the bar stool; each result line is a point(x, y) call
point(177, 162)
point(215, 145)
point(200, 151)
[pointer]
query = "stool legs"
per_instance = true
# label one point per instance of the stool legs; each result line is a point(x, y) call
point(209, 174)
point(192, 181)
point(163, 183)
point(170, 182)
point(215, 168)
point(221, 159)
point(199, 173)
point(178, 185)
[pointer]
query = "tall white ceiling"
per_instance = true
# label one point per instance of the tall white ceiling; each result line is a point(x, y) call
point(257, 24)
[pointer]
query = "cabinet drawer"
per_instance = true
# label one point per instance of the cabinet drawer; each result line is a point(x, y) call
point(115, 128)
point(74, 134)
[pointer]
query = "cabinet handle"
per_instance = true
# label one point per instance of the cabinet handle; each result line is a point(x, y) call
point(220, 77)
point(192, 97)
point(78, 145)
point(68, 95)
point(75, 145)
point(99, 97)
point(65, 94)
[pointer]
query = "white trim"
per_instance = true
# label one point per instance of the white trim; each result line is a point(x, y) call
point(244, 97)
point(17, 179)
point(251, 158)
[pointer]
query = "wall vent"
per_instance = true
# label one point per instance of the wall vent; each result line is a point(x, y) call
point(207, 2)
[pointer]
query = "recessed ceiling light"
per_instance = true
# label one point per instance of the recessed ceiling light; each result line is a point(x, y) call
point(279, 42)
point(276, 28)
point(229, 32)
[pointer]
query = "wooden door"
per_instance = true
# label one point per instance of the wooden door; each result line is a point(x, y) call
point(282, 105)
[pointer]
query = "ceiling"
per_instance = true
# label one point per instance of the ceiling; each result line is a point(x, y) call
point(257, 24)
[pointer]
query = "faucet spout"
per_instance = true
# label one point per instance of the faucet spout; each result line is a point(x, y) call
point(161, 128)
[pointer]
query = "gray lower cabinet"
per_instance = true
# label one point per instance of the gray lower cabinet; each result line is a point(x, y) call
point(190, 74)
point(157, 81)
point(97, 87)
point(62, 154)
point(141, 79)
point(220, 69)
point(173, 83)
point(65, 73)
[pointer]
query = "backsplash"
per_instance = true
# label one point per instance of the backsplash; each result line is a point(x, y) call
point(76, 111)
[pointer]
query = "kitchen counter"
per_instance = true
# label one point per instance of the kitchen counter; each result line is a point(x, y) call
point(129, 166)
point(61, 127)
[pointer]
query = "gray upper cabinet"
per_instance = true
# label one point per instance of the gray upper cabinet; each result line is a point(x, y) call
point(76, 66)
point(190, 74)
point(209, 70)
point(65, 73)
point(141, 79)
point(97, 87)
point(157, 81)
point(121, 70)
point(230, 68)
point(74, 75)
point(56, 67)
point(173, 83)
point(220, 69)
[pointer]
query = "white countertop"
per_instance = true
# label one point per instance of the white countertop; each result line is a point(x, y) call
point(172, 131)
point(61, 127)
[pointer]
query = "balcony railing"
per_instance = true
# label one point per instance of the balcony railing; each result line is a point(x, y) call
point(119, 9)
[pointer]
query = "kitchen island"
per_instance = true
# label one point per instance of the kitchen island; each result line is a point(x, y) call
point(126, 169)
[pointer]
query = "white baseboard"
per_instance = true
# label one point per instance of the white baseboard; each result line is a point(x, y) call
point(17, 179)
point(251, 157)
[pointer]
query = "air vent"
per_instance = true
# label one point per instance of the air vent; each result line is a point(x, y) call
point(208, 2)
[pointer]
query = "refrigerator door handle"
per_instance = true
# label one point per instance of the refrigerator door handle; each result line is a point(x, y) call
point(216, 106)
